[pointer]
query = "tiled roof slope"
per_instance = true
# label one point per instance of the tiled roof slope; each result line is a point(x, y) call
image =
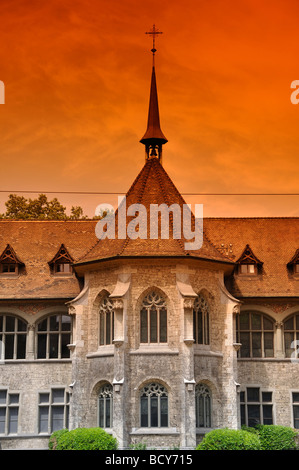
point(36, 243)
point(152, 186)
point(273, 240)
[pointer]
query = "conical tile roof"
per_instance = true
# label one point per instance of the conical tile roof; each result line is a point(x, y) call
point(152, 186)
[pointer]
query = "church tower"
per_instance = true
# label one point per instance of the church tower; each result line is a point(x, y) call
point(153, 358)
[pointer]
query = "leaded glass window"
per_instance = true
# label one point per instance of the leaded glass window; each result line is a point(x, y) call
point(291, 335)
point(106, 406)
point(106, 322)
point(153, 406)
point(153, 319)
point(201, 321)
point(203, 406)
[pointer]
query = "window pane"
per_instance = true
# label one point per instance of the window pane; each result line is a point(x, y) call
point(65, 323)
point(102, 331)
point(101, 413)
point(154, 411)
point(253, 415)
point(253, 394)
point(164, 411)
point(41, 346)
point(268, 324)
point(289, 324)
point(163, 325)
point(22, 326)
point(108, 414)
point(267, 414)
point(243, 268)
point(296, 397)
point(42, 326)
point(3, 394)
point(108, 328)
point(199, 328)
point(243, 421)
point(288, 338)
point(57, 418)
point(53, 353)
point(1, 322)
point(44, 397)
point(268, 344)
point(266, 396)
point(143, 326)
point(13, 398)
point(256, 344)
point(2, 420)
point(43, 418)
point(9, 346)
point(250, 268)
point(244, 321)
point(21, 346)
point(54, 323)
point(245, 342)
point(13, 420)
point(10, 323)
point(256, 321)
point(153, 325)
point(144, 411)
point(65, 340)
point(58, 395)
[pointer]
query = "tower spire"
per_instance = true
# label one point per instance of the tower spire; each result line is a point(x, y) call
point(153, 138)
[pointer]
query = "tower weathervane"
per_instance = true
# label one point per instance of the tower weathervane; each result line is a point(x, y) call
point(153, 32)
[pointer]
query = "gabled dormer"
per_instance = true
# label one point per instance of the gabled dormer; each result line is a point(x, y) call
point(248, 264)
point(10, 264)
point(293, 264)
point(61, 264)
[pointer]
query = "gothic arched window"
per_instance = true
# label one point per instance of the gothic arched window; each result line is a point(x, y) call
point(153, 319)
point(106, 406)
point(203, 406)
point(106, 321)
point(201, 321)
point(154, 406)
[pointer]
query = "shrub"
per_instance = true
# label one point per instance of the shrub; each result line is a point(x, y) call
point(229, 439)
point(85, 439)
point(55, 437)
point(274, 437)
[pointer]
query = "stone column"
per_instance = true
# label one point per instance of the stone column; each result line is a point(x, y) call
point(189, 421)
point(119, 373)
point(30, 342)
point(279, 352)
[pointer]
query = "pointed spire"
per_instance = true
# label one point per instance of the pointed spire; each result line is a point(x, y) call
point(153, 138)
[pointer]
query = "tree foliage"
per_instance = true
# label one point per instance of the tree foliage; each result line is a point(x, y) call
point(18, 207)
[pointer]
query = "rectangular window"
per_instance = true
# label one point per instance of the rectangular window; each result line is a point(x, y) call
point(295, 397)
point(256, 407)
point(53, 410)
point(9, 412)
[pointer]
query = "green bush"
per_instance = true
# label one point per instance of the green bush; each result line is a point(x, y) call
point(55, 437)
point(85, 439)
point(274, 437)
point(229, 439)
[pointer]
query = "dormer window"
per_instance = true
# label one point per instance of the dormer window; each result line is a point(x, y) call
point(248, 264)
point(293, 265)
point(10, 264)
point(61, 264)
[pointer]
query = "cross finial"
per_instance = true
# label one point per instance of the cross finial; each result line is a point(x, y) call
point(153, 32)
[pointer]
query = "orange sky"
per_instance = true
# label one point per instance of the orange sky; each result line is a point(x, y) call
point(77, 76)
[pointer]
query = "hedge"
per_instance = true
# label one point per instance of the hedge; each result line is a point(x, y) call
point(274, 437)
point(229, 439)
point(82, 439)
